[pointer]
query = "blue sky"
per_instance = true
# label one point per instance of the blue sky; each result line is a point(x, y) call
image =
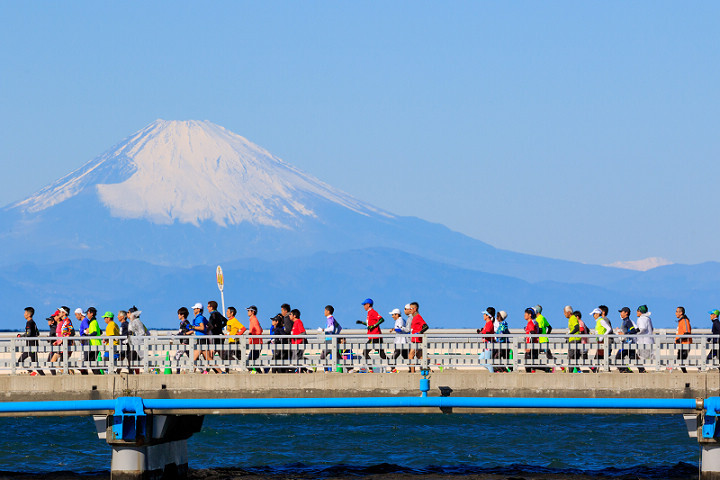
point(579, 130)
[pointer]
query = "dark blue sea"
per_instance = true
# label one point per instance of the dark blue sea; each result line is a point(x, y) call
point(339, 446)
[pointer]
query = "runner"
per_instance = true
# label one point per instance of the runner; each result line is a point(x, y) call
point(645, 334)
point(234, 328)
point(401, 342)
point(531, 350)
point(372, 323)
point(545, 329)
point(682, 340)
point(629, 330)
point(299, 350)
point(255, 329)
point(31, 331)
point(201, 329)
point(418, 326)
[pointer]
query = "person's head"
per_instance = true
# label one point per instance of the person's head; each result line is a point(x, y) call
point(679, 312)
point(642, 310)
point(91, 313)
point(530, 314)
point(414, 307)
point(604, 309)
point(538, 309)
point(367, 304)
point(122, 316)
point(51, 320)
point(714, 314)
point(395, 313)
point(502, 315)
point(577, 314)
point(108, 317)
point(79, 314)
point(407, 309)
point(624, 312)
point(197, 308)
point(277, 319)
point(29, 312)
point(285, 309)
point(329, 310)
point(64, 312)
point(568, 311)
point(183, 313)
point(295, 313)
point(231, 312)
point(212, 306)
point(252, 310)
point(486, 316)
point(596, 313)
point(490, 311)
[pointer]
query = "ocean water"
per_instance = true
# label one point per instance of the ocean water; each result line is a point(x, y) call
point(379, 446)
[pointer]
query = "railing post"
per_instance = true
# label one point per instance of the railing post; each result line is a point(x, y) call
point(425, 363)
point(146, 354)
point(66, 355)
point(517, 342)
point(334, 354)
point(13, 358)
point(243, 353)
point(608, 352)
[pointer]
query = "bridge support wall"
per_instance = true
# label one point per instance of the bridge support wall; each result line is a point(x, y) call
point(155, 447)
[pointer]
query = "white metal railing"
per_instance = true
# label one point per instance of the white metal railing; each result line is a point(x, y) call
point(356, 353)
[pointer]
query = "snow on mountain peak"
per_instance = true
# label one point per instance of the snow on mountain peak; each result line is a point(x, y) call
point(191, 172)
point(642, 265)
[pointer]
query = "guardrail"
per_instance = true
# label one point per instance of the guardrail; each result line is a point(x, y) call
point(356, 353)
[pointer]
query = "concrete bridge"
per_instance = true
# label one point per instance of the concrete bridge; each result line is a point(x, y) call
point(161, 408)
point(465, 383)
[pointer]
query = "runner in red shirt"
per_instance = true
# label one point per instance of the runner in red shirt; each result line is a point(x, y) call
point(419, 326)
point(372, 322)
point(297, 329)
point(531, 352)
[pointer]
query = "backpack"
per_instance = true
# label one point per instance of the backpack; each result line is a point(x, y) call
point(503, 329)
point(337, 328)
point(217, 322)
point(584, 330)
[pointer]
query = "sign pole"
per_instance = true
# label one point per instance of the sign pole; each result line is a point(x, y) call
point(221, 285)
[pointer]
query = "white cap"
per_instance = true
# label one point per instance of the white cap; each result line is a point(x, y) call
point(80, 311)
point(502, 314)
point(407, 306)
point(197, 305)
point(597, 310)
point(395, 311)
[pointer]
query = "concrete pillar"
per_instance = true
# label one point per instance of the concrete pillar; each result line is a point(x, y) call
point(710, 461)
point(160, 452)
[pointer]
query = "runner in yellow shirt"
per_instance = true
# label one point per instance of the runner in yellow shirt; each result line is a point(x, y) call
point(234, 327)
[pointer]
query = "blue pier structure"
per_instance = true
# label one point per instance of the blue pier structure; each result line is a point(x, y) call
point(149, 437)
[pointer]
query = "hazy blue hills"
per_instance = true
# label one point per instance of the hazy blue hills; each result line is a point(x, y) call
point(449, 296)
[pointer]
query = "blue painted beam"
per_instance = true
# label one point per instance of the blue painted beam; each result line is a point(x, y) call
point(57, 406)
point(580, 404)
point(439, 402)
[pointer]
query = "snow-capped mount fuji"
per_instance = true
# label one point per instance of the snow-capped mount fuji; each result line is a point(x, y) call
point(195, 172)
point(192, 192)
point(179, 193)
